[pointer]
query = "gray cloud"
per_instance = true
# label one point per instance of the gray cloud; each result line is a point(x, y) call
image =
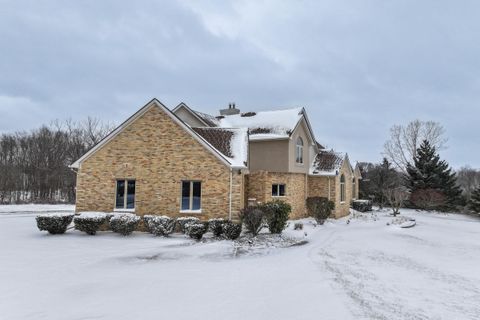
point(357, 66)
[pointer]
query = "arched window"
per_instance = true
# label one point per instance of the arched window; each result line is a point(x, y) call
point(354, 188)
point(342, 188)
point(299, 150)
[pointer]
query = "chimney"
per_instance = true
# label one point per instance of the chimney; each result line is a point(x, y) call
point(230, 111)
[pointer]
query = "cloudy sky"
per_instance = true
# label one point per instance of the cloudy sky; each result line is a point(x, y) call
point(357, 66)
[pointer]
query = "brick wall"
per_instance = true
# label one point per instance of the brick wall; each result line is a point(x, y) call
point(158, 154)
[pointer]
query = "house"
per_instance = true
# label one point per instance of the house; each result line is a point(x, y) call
point(183, 162)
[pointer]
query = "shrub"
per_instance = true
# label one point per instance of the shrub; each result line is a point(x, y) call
point(298, 226)
point(277, 213)
point(183, 221)
point(89, 222)
point(320, 208)
point(54, 223)
point(124, 224)
point(216, 226)
point(232, 230)
point(254, 218)
point(362, 205)
point(428, 199)
point(196, 230)
point(159, 225)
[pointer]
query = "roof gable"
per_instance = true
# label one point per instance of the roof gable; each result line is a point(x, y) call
point(155, 103)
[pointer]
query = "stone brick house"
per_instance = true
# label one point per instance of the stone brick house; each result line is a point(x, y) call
point(183, 162)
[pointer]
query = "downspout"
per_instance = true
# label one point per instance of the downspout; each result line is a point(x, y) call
point(230, 196)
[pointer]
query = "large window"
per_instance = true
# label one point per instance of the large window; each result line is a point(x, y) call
point(191, 195)
point(299, 150)
point(125, 195)
point(342, 188)
point(354, 187)
point(278, 190)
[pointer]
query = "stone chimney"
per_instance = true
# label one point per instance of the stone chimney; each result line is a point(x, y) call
point(230, 111)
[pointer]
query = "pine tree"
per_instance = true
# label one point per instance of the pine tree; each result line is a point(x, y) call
point(429, 173)
point(474, 203)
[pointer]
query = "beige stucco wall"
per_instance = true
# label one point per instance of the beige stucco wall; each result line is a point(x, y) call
point(293, 166)
point(158, 153)
point(188, 118)
point(260, 189)
point(269, 155)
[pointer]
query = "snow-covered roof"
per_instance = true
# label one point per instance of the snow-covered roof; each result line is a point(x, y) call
point(230, 142)
point(265, 124)
point(327, 163)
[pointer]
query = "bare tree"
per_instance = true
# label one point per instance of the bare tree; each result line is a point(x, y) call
point(404, 141)
point(468, 179)
point(396, 196)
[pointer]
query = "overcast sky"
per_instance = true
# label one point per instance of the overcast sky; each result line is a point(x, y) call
point(358, 67)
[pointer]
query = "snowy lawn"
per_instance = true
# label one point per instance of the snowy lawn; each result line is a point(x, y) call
point(363, 269)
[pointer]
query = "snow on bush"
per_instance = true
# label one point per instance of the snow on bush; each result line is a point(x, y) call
point(231, 230)
point(320, 208)
point(54, 223)
point(89, 222)
point(254, 219)
point(196, 230)
point(277, 213)
point(362, 205)
point(216, 226)
point(298, 226)
point(159, 225)
point(124, 223)
point(183, 221)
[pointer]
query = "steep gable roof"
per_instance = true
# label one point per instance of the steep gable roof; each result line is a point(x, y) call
point(228, 161)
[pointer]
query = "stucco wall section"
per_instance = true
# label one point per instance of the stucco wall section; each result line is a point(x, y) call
point(158, 153)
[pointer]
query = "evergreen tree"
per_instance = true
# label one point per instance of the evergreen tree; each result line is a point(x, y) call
point(474, 203)
point(429, 173)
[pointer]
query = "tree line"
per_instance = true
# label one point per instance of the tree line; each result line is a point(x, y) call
point(412, 173)
point(34, 165)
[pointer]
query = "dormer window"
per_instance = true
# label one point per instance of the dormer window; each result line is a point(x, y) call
point(299, 151)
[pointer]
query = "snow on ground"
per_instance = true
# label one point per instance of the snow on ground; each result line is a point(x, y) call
point(362, 269)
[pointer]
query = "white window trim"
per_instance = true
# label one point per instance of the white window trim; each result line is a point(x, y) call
point(343, 190)
point(125, 195)
point(299, 148)
point(278, 190)
point(190, 201)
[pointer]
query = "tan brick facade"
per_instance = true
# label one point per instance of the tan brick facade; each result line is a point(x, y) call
point(260, 189)
point(158, 153)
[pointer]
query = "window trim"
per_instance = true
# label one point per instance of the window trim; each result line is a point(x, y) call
point(354, 186)
point(278, 190)
point(299, 148)
point(125, 195)
point(343, 190)
point(190, 197)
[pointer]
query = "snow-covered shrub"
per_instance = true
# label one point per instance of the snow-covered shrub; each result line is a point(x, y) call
point(54, 223)
point(320, 208)
point(216, 226)
point(124, 224)
point(277, 213)
point(159, 225)
point(183, 221)
point(362, 205)
point(254, 219)
point(89, 222)
point(232, 230)
point(196, 230)
point(298, 226)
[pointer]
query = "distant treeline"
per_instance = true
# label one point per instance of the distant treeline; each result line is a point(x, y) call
point(34, 165)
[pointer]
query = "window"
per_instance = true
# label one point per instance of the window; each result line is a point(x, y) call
point(299, 150)
point(191, 195)
point(278, 190)
point(354, 191)
point(342, 188)
point(125, 196)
